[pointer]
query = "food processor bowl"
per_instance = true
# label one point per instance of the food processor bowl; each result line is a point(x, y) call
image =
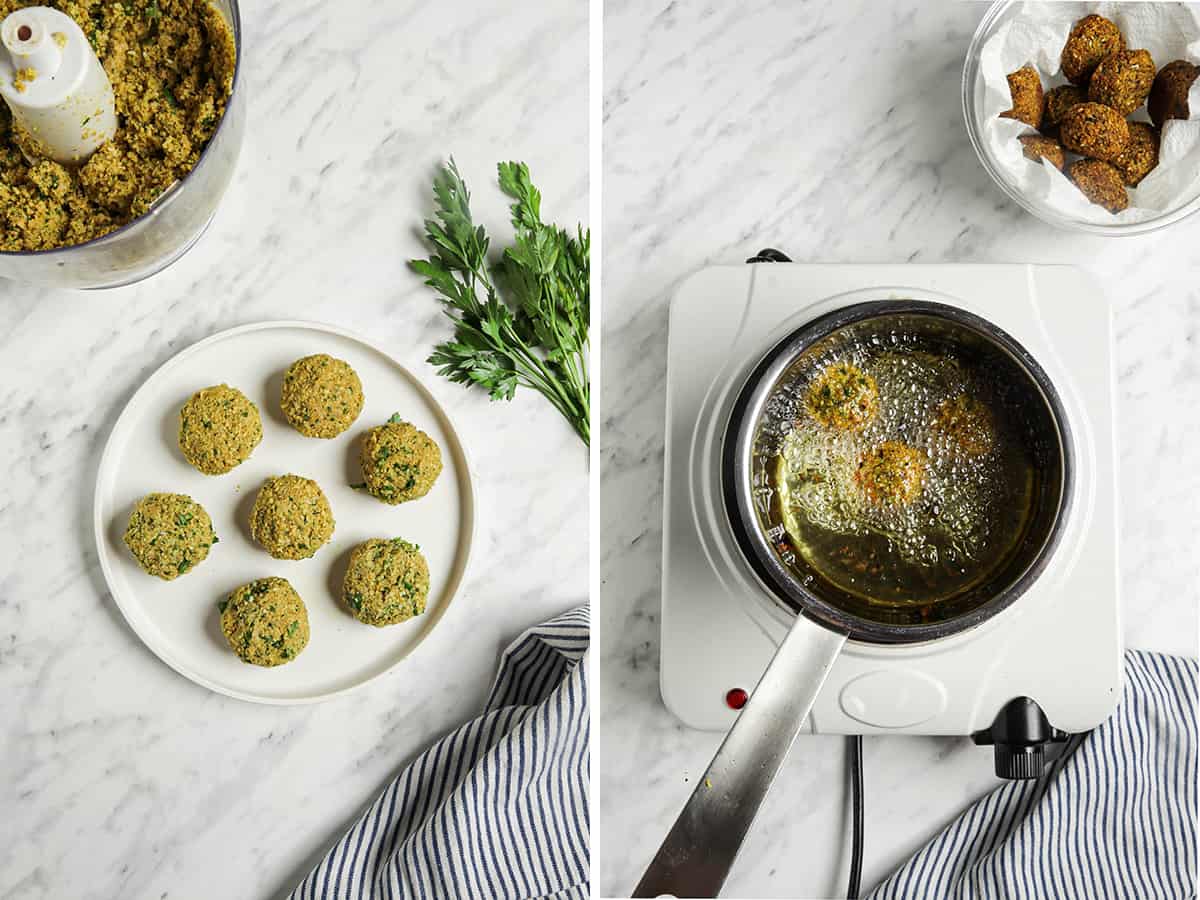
point(150, 243)
point(1000, 13)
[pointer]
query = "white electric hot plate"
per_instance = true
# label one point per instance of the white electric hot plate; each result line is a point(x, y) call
point(179, 619)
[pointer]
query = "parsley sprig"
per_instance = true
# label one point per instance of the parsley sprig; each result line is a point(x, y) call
point(521, 320)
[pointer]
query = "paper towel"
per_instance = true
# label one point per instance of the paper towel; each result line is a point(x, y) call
point(1035, 35)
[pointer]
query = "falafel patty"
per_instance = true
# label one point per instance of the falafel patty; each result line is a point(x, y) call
point(386, 582)
point(1101, 183)
point(1140, 156)
point(322, 396)
point(218, 429)
point(399, 461)
point(1095, 130)
point(892, 473)
point(265, 622)
point(967, 424)
point(842, 397)
point(1058, 101)
point(1028, 100)
point(169, 534)
point(1169, 93)
point(1092, 38)
point(1123, 80)
point(1038, 147)
point(291, 517)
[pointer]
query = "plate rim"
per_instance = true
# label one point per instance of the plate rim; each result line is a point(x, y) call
point(100, 527)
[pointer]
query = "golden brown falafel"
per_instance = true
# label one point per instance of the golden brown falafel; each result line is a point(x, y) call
point(1100, 183)
point(1095, 130)
point(1123, 80)
point(1169, 94)
point(892, 473)
point(1092, 38)
point(1025, 86)
point(842, 397)
point(1140, 155)
point(1038, 147)
point(1058, 101)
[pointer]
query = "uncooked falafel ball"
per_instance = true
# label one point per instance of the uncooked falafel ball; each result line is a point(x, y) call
point(1095, 130)
point(1140, 156)
point(322, 396)
point(1092, 38)
point(1038, 147)
point(1123, 80)
point(1058, 101)
point(1025, 86)
point(291, 518)
point(399, 461)
point(1169, 94)
point(169, 535)
point(386, 582)
point(1101, 183)
point(265, 622)
point(218, 429)
point(842, 397)
point(892, 473)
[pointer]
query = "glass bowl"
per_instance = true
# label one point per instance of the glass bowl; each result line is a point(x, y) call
point(150, 243)
point(1001, 12)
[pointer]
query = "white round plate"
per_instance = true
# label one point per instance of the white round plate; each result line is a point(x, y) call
point(179, 619)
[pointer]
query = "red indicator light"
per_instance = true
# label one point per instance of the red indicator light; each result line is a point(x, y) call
point(736, 698)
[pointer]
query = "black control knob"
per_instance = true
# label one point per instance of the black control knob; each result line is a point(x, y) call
point(1023, 738)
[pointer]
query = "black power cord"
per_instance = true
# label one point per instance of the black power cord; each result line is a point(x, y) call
point(856, 800)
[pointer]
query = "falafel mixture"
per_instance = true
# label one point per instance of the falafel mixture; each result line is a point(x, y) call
point(265, 622)
point(842, 397)
point(399, 461)
point(218, 429)
point(169, 535)
point(387, 582)
point(291, 517)
point(171, 64)
point(322, 396)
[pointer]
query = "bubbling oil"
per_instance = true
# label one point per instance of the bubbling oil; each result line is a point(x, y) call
point(918, 504)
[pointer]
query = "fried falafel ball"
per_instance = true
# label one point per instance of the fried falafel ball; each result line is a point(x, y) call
point(1092, 38)
point(387, 582)
point(1123, 80)
point(218, 429)
point(1100, 182)
point(1025, 86)
point(967, 424)
point(1058, 101)
point(842, 397)
point(399, 461)
point(891, 474)
point(265, 622)
point(1141, 154)
point(322, 396)
point(291, 517)
point(1095, 130)
point(1169, 94)
point(1038, 147)
point(169, 535)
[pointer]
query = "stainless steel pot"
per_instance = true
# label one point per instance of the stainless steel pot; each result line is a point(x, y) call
point(700, 849)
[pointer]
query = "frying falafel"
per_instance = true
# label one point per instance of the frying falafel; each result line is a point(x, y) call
point(967, 424)
point(218, 429)
point(1123, 80)
point(842, 397)
point(1094, 130)
point(1092, 38)
point(892, 473)
point(1101, 183)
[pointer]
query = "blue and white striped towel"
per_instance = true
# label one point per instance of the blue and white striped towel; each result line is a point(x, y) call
point(1114, 817)
point(499, 808)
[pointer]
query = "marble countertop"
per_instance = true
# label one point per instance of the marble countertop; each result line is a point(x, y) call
point(120, 778)
point(833, 131)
